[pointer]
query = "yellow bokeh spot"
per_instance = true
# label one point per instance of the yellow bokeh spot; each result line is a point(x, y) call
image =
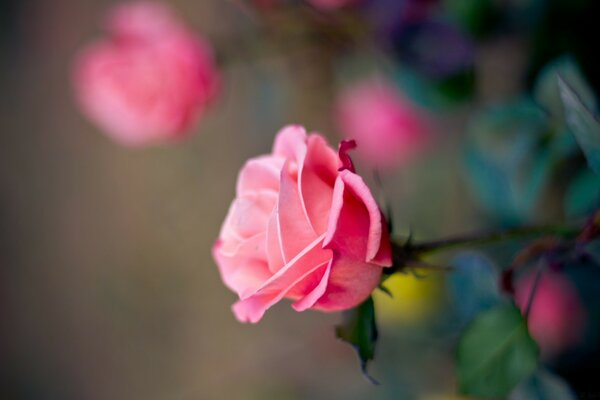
point(414, 298)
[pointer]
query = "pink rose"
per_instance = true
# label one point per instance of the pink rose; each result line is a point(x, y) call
point(149, 80)
point(388, 128)
point(557, 317)
point(328, 5)
point(304, 227)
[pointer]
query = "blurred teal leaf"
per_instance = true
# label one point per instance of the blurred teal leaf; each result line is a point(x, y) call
point(546, 90)
point(583, 194)
point(496, 353)
point(582, 122)
point(360, 331)
point(509, 159)
point(544, 385)
point(473, 284)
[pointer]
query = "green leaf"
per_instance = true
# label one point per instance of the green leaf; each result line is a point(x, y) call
point(508, 160)
point(360, 331)
point(496, 353)
point(583, 194)
point(582, 122)
point(546, 89)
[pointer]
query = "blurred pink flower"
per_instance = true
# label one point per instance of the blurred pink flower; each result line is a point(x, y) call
point(389, 130)
point(149, 80)
point(304, 227)
point(330, 4)
point(557, 317)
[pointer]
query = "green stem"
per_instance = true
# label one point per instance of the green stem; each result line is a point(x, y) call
point(492, 237)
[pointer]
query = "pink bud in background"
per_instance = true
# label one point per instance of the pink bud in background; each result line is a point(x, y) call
point(149, 80)
point(330, 4)
point(557, 317)
point(389, 129)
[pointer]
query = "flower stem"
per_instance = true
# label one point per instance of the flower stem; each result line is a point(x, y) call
point(492, 237)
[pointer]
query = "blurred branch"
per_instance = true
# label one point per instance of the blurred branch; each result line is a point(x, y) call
point(486, 238)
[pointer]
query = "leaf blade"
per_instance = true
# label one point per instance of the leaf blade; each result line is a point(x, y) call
point(360, 331)
point(582, 122)
point(496, 353)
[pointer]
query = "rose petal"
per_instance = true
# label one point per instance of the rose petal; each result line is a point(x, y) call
point(275, 256)
point(290, 142)
point(251, 308)
point(350, 283)
point(316, 177)
point(260, 173)
point(295, 230)
point(355, 216)
point(242, 273)
point(248, 215)
point(309, 300)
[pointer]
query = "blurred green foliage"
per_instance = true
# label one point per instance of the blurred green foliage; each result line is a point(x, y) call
point(496, 353)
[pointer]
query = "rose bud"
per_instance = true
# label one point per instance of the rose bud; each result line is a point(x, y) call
point(557, 317)
point(387, 127)
point(304, 226)
point(330, 5)
point(149, 80)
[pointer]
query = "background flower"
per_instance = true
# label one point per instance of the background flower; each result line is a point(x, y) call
point(557, 317)
point(149, 80)
point(388, 128)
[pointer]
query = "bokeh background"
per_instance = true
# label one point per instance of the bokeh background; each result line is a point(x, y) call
point(107, 285)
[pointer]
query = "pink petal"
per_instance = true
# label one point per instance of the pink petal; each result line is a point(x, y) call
point(355, 216)
point(251, 247)
point(295, 230)
point(350, 283)
point(241, 272)
point(290, 142)
point(275, 254)
point(251, 308)
point(260, 173)
point(248, 215)
point(309, 300)
point(316, 176)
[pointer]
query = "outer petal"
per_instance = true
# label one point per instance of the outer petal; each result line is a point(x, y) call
point(350, 283)
point(355, 216)
point(241, 271)
point(251, 308)
point(318, 290)
point(358, 238)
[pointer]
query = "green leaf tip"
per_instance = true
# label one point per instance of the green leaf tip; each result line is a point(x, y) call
point(582, 122)
point(359, 330)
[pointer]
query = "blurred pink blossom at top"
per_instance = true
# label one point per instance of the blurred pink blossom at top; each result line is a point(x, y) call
point(388, 128)
point(330, 4)
point(149, 79)
point(557, 317)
